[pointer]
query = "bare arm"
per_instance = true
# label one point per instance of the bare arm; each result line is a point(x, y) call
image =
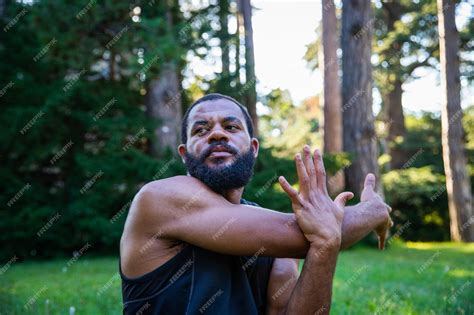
point(361, 219)
point(320, 220)
point(183, 208)
point(283, 278)
point(313, 291)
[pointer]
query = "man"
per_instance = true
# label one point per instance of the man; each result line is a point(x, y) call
point(192, 245)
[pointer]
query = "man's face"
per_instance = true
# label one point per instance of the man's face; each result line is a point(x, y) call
point(219, 150)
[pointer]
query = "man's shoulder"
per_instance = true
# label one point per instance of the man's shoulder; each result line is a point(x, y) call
point(170, 183)
point(249, 203)
point(169, 194)
point(171, 187)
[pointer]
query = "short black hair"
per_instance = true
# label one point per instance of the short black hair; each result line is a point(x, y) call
point(213, 97)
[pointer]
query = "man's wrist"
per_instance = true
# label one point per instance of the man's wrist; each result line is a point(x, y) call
point(382, 214)
point(377, 211)
point(328, 245)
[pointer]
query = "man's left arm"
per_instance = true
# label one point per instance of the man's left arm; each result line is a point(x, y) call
point(371, 214)
point(359, 220)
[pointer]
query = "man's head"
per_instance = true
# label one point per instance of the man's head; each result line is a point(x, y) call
point(218, 146)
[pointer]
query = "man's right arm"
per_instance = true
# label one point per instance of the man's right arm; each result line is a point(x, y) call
point(183, 208)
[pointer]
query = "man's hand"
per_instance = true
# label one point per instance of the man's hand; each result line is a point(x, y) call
point(369, 195)
point(319, 217)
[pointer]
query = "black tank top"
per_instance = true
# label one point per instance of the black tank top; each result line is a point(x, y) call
point(198, 281)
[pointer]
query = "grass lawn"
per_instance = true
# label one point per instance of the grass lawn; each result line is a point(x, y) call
point(411, 278)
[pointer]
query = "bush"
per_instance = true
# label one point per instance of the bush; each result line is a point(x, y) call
point(419, 201)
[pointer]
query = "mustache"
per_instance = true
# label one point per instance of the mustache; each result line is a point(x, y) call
point(213, 145)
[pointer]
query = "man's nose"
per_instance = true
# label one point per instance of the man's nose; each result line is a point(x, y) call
point(217, 134)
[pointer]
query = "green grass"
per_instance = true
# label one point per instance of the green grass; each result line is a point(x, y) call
point(412, 278)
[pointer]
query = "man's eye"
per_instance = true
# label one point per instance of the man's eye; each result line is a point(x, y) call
point(200, 131)
point(232, 127)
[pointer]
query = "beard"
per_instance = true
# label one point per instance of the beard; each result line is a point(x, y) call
point(222, 178)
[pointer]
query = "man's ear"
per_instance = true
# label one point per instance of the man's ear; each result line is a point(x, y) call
point(182, 151)
point(255, 145)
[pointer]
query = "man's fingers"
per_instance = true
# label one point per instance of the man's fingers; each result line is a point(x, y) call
point(370, 181)
point(382, 240)
point(342, 198)
point(302, 177)
point(320, 171)
point(290, 191)
point(310, 169)
point(383, 235)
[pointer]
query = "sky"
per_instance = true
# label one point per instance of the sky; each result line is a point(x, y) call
point(282, 29)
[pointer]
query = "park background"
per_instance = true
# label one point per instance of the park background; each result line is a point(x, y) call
point(92, 96)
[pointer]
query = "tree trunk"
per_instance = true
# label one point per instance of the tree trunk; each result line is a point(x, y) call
point(458, 182)
point(2, 9)
point(393, 116)
point(224, 37)
point(240, 50)
point(163, 104)
point(358, 120)
point(394, 119)
point(331, 96)
point(250, 85)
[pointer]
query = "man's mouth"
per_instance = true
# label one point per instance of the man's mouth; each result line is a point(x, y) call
point(220, 152)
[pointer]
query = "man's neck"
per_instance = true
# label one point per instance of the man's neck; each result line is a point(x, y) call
point(233, 195)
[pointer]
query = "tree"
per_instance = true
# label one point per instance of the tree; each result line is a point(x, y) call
point(457, 179)
point(164, 100)
point(331, 96)
point(99, 148)
point(163, 103)
point(223, 35)
point(249, 89)
point(391, 85)
point(358, 121)
point(394, 41)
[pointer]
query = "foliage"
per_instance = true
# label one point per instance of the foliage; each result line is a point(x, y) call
point(76, 131)
point(417, 192)
point(418, 198)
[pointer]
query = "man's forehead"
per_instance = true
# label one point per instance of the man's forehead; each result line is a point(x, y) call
point(216, 109)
